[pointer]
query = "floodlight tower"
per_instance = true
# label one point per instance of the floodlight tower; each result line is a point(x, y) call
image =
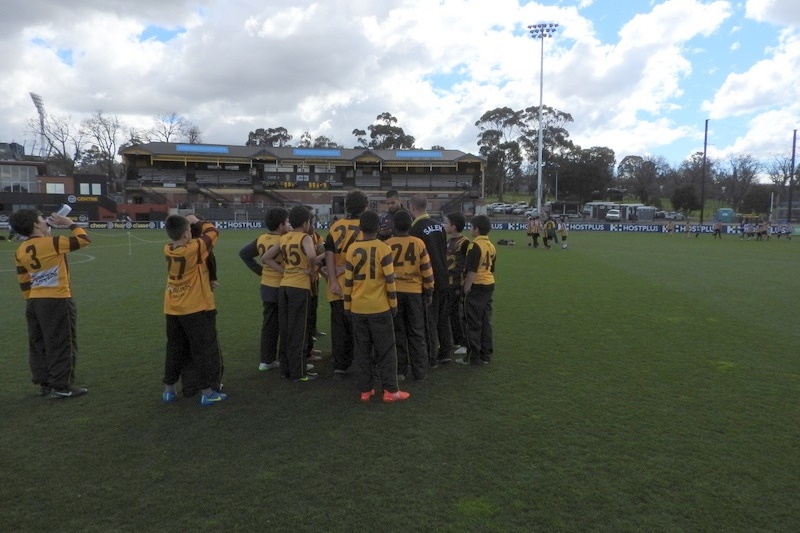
point(39, 103)
point(541, 31)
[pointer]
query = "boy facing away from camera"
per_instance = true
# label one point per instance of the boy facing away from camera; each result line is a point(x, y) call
point(192, 345)
point(413, 277)
point(370, 298)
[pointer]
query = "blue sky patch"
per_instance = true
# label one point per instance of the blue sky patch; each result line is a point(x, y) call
point(157, 33)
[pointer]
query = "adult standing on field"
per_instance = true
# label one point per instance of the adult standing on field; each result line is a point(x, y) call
point(432, 233)
point(393, 205)
point(51, 314)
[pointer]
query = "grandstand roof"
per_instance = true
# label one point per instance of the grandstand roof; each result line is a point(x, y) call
point(231, 153)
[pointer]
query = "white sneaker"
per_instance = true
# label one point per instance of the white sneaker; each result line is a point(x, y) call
point(461, 351)
point(269, 366)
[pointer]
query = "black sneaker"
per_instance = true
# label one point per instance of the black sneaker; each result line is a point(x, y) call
point(69, 392)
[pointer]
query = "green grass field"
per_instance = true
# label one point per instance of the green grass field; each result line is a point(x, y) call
point(640, 383)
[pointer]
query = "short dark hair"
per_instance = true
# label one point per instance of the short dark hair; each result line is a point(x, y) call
point(482, 224)
point(355, 203)
point(24, 220)
point(298, 216)
point(402, 220)
point(457, 220)
point(275, 217)
point(176, 226)
point(370, 222)
point(419, 202)
point(391, 193)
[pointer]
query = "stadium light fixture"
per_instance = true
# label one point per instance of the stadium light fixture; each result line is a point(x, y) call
point(541, 31)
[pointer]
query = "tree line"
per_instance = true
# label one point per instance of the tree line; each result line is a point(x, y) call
point(507, 138)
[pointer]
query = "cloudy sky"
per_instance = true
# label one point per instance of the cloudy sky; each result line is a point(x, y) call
point(638, 76)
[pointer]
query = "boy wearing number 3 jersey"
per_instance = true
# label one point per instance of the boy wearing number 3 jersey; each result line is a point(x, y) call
point(51, 314)
point(370, 297)
point(413, 276)
point(192, 344)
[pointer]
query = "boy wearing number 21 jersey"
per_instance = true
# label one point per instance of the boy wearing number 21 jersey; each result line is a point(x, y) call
point(192, 344)
point(413, 276)
point(370, 297)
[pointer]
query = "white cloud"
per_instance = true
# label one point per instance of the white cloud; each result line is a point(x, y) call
point(780, 12)
point(330, 67)
point(771, 82)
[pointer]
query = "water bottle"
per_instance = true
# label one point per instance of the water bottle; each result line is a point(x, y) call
point(64, 211)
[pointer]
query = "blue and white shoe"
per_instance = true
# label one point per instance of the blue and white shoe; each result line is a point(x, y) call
point(211, 399)
point(169, 396)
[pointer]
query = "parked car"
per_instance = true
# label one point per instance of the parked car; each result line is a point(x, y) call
point(531, 212)
point(613, 214)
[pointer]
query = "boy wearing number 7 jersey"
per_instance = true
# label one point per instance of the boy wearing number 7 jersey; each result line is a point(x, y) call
point(413, 276)
point(192, 344)
point(370, 298)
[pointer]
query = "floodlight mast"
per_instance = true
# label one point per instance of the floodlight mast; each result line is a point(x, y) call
point(540, 31)
point(39, 103)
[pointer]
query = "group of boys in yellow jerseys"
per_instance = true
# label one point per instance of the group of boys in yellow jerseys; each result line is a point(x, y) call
point(379, 292)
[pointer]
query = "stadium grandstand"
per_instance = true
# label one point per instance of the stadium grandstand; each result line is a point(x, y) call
point(243, 180)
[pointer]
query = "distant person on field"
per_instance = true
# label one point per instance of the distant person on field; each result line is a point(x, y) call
point(718, 229)
point(431, 232)
point(50, 311)
point(478, 292)
point(670, 227)
point(341, 235)
point(687, 229)
point(276, 221)
point(414, 282)
point(529, 230)
point(370, 297)
point(192, 343)
point(299, 269)
point(563, 231)
point(456, 256)
point(549, 232)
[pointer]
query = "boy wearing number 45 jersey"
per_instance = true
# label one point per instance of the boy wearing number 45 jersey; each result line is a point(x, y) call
point(299, 267)
point(50, 311)
point(192, 344)
point(370, 297)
